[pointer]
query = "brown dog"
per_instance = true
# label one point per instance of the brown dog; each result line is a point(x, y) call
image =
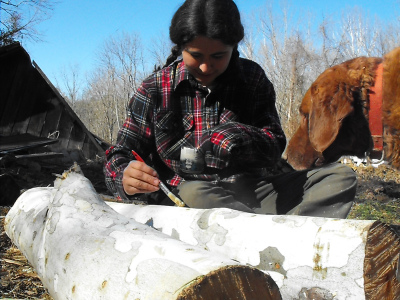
point(338, 113)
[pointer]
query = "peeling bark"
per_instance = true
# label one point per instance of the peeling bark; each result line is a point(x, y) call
point(308, 257)
point(83, 249)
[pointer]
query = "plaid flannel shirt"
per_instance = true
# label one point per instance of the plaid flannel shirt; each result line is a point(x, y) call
point(234, 123)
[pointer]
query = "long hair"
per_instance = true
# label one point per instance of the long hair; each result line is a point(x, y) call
point(215, 19)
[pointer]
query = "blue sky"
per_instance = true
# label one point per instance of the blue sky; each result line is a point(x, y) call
point(77, 28)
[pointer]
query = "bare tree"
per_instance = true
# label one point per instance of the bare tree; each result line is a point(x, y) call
point(19, 19)
point(356, 34)
point(361, 35)
point(248, 46)
point(388, 38)
point(287, 60)
point(111, 85)
point(160, 49)
point(72, 85)
point(102, 109)
point(123, 55)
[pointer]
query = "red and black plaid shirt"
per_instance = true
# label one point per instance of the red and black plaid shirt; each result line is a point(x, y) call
point(235, 123)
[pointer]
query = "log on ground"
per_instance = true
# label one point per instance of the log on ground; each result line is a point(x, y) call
point(315, 258)
point(83, 249)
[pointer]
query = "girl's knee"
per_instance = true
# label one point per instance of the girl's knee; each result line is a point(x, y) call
point(347, 172)
point(195, 193)
point(192, 188)
point(342, 171)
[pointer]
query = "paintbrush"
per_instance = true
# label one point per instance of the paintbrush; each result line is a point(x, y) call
point(163, 187)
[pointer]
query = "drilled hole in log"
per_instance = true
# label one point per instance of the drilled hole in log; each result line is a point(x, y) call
point(381, 263)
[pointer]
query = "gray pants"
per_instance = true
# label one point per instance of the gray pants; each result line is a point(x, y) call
point(324, 192)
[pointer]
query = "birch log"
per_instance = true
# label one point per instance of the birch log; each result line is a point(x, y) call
point(311, 258)
point(83, 249)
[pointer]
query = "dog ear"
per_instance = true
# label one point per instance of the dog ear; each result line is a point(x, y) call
point(330, 104)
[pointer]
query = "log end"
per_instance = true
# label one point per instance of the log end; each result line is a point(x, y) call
point(381, 263)
point(232, 282)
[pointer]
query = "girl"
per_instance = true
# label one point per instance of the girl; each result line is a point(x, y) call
point(206, 123)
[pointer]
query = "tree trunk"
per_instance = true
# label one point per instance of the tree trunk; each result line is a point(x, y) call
point(311, 258)
point(83, 249)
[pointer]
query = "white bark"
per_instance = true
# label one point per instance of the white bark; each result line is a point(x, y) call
point(83, 249)
point(310, 257)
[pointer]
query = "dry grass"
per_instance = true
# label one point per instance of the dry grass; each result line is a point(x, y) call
point(18, 280)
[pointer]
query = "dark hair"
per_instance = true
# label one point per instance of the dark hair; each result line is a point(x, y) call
point(215, 19)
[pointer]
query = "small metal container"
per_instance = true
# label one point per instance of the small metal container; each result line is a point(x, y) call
point(192, 160)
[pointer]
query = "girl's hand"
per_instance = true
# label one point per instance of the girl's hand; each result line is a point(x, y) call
point(139, 178)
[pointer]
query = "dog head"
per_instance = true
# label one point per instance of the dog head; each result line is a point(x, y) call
point(333, 121)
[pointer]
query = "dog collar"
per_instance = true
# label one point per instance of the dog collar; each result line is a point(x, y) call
point(375, 110)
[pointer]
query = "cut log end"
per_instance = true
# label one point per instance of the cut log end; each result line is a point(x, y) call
point(382, 258)
point(232, 282)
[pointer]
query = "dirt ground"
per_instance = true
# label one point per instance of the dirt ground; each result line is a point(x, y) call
point(378, 194)
point(378, 198)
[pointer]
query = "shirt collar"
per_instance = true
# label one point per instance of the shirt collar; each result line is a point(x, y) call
point(182, 74)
